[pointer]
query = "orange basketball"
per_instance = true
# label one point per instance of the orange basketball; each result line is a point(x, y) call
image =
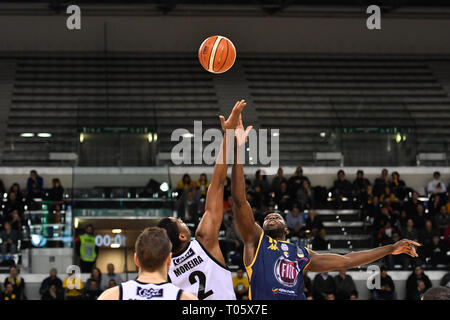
point(217, 54)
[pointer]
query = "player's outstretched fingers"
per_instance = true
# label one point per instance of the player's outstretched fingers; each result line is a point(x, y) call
point(413, 243)
point(222, 122)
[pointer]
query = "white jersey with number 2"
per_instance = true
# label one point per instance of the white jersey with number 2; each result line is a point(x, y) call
point(196, 271)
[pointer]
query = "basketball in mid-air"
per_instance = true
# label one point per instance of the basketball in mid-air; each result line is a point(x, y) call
point(217, 54)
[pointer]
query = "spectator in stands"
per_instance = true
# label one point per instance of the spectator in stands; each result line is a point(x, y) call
point(323, 286)
point(2, 189)
point(283, 197)
point(73, 286)
point(202, 185)
point(92, 290)
point(294, 222)
point(96, 275)
point(16, 189)
point(410, 232)
point(276, 182)
point(434, 204)
point(259, 197)
point(296, 182)
point(447, 236)
point(442, 220)
point(388, 195)
point(411, 205)
point(9, 240)
point(342, 188)
point(87, 249)
point(413, 288)
point(233, 243)
point(419, 218)
point(305, 196)
point(9, 294)
point(241, 285)
point(398, 186)
point(385, 234)
point(308, 286)
point(53, 293)
point(261, 181)
point(110, 275)
point(111, 283)
point(436, 186)
point(17, 283)
point(360, 185)
point(426, 236)
point(35, 185)
point(345, 285)
point(373, 208)
point(380, 183)
point(51, 280)
point(314, 223)
point(13, 212)
point(56, 193)
point(445, 281)
point(436, 251)
point(188, 206)
point(184, 184)
point(387, 287)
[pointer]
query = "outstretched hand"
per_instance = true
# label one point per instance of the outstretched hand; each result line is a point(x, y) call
point(241, 134)
point(406, 246)
point(233, 120)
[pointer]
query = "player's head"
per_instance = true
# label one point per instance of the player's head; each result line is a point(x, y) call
point(437, 293)
point(177, 231)
point(274, 226)
point(153, 250)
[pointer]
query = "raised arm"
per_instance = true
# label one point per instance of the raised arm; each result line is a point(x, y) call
point(208, 228)
point(328, 261)
point(245, 223)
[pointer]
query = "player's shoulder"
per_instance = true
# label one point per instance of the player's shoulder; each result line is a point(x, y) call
point(111, 293)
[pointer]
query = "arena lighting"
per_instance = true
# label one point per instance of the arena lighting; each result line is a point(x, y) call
point(275, 134)
point(323, 134)
point(155, 137)
point(81, 138)
point(150, 138)
point(187, 135)
point(75, 223)
point(164, 187)
point(44, 135)
point(27, 135)
point(116, 230)
point(115, 245)
point(398, 137)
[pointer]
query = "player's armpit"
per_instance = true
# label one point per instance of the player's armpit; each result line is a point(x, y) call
point(187, 296)
point(110, 294)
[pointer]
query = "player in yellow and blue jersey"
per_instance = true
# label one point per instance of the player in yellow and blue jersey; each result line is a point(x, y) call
point(275, 267)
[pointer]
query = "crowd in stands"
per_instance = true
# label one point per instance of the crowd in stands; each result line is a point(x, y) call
point(12, 218)
point(392, 209)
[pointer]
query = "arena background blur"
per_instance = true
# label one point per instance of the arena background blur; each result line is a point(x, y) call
point(92, 112)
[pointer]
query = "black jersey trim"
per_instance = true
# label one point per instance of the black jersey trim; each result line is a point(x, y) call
point(212, 258)
point(120, 292)
point(182, 251)
point(156, 284)
point(180, 292)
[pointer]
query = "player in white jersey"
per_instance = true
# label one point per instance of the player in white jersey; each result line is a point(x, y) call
point(198, 266)
point(153, 257)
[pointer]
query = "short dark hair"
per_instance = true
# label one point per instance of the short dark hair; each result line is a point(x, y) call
point(359, 172)
point(152, 248)
point(436, 173)
point(437, 293)
point(173, 232)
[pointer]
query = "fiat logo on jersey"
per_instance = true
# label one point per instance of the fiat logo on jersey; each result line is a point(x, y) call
point(286, 271)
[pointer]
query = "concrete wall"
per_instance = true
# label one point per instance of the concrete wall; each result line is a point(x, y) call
point(415, 177)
